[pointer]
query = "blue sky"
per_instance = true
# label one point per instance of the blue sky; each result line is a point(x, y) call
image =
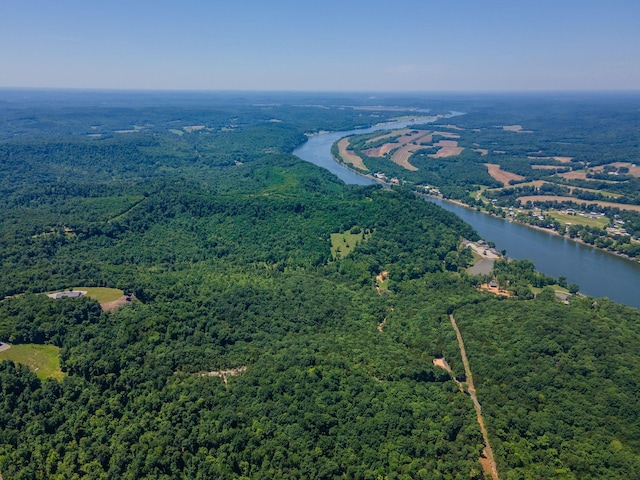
point(405, 45)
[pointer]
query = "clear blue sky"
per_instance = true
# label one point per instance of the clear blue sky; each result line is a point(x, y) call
point(345, 45)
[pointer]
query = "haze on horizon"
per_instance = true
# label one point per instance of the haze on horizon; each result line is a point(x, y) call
point(410, 45)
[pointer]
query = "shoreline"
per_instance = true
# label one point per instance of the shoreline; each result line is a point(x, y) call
point(464, 205)
point(535, 227)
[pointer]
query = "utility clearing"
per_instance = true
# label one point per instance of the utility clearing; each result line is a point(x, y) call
point(487, 460)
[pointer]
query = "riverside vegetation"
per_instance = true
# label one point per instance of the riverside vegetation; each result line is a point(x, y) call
point(225, 239)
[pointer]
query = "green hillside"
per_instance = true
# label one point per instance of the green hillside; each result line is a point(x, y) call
point(253, 351)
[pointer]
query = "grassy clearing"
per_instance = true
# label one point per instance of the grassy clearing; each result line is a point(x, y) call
point(556, 288)
point(578, 220)
point(44, 360)
point(342, 244)
point(102, 294)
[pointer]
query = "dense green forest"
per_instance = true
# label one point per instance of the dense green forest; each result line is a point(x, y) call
point(249, 351)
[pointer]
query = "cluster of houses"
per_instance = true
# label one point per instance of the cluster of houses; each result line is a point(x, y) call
point(571, 211)
point(429, 190)
point(383, 177)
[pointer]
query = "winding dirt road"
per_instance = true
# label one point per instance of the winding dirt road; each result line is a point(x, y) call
point(471, 390)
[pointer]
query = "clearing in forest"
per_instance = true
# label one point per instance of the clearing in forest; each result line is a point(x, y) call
point(382, 282)
point(348, 156)
point(102, 294)
point(487, 287)
point(515, 128)
point(501, 175)
point(342, 244)
point(44, 360)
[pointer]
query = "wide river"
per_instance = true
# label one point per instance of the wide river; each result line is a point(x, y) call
point(599, 274)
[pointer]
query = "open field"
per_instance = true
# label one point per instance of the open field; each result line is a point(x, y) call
point(414, 137)
point(380, 151)
point(515, 128)
point(349, 157)
point(447, 148)
point(393, 134)
point(545, 167)
point(402, 155)
point(44, 360)
point(447, 135)
point(593, 190)
point(102, 294)
point(575, 175)
point(633, 170)
point(578, 220)
point(500, 175)
point(342, 244)
point(481, 151)
point(557, 198)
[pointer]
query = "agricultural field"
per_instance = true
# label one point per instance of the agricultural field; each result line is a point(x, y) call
point(560, 199)
point(502, 176)
point(349, 157)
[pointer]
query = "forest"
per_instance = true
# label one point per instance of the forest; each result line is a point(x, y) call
point(249, 350)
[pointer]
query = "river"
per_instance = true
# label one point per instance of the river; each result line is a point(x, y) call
point(599, 273)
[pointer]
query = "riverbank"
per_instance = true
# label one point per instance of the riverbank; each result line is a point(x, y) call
point(542, 229)
point(598, 275)
point(464, 205)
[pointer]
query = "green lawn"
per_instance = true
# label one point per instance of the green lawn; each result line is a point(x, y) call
point(578, 220)
point(343, 243)
point(42, 359)
point(102, 294)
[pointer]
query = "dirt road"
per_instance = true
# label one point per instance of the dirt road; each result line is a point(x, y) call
point(471, 390)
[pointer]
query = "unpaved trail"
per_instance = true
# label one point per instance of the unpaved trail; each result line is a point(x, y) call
point(471, 390)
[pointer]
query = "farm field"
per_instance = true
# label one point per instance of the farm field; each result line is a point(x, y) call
point(348, 156)
point(501, 175)
point(557, 198)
